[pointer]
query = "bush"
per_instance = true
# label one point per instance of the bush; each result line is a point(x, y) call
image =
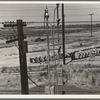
point(3, 69)
point(74, 70)
point(43, 74)
point(93, 80)
point(80, 70)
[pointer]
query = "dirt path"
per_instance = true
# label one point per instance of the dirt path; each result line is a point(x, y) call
point(69, 89)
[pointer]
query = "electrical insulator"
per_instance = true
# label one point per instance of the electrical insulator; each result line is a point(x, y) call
point(46, 14)
point(10, 23)
point(58, 20)
point(14, 37)
point(57, 5)
point(24, 23)
point(13, 22)
point(11, 37)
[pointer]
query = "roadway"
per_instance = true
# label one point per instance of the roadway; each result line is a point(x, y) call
point(69, 89)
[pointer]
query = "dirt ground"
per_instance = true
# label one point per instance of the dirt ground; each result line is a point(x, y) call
point(83, 73)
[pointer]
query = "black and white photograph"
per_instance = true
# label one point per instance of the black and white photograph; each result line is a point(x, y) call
point(50, 48)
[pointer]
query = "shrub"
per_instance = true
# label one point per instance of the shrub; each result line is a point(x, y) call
point(43, 74)
point(74, 70)
point(80, 70)
point(3, 69)
point(93, 80)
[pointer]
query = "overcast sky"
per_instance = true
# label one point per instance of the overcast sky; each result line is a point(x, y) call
point(35, 12)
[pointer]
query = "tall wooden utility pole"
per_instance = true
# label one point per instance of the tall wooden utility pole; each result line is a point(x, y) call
point(22, 52)
point(91, 22)
point(22, 58)
point(58, 21)
point(46, 16)
point(63, 34)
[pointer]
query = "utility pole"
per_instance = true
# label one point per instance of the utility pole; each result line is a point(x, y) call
point(22, 52)
point(63, 33)
point(46, 16)
point(44, 21)
point(58, 20)
point(91, 22)
point(53, 37)
point(22, 58)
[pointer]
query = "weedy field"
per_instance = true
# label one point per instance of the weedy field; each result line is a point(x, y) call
point(83, 73)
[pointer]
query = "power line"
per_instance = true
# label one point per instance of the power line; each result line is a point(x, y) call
point(20, 16)
point(22, 10)
point(33, 22)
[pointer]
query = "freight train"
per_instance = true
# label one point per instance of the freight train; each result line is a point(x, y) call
point(75, 55)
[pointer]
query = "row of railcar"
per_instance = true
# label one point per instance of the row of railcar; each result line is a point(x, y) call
point(75, 55)
point(89, 52)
